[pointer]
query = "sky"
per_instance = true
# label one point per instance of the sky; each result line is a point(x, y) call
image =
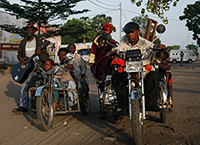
point(176, 32)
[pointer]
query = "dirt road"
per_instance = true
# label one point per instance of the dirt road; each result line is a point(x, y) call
point(182, 127)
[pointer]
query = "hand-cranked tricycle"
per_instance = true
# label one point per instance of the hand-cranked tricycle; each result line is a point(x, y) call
point(52, 97)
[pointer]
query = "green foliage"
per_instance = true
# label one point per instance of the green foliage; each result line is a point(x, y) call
point(157, 42)
point(157, 7)
point(98, 21)
point(13, 29)
point(75, 30)
point(72, 31)
point(174, 47)
point(192, 17)
point(142, 20)
point(42, 12)
point(194, 48)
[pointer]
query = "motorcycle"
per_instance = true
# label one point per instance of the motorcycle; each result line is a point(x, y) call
point(135, 68)
point(108, 98)
point(50, 97)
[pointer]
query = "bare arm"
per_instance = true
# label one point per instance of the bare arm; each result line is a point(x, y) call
point(164, 65)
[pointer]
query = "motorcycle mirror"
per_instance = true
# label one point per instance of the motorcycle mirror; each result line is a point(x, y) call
point(69, 56)
point(37, 58)
point(161, 28)
point(107, 37)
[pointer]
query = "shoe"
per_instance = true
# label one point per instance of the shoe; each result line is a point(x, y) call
point(20, 110)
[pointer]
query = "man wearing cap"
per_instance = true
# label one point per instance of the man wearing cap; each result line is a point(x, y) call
point(134, 41)
point(99, 63)
point(27, 47)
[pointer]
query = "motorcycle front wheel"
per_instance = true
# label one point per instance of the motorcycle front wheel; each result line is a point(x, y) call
point(136, 126)
point(163, 115)
point(45, 110)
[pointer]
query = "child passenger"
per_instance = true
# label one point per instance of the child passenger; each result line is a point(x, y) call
point(49, 68)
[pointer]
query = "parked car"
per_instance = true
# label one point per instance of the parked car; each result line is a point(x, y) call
point(189, 56)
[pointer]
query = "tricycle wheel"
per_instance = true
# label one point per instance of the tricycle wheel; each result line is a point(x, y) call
point(45, 110)
point(85, 104)
point(163, 115)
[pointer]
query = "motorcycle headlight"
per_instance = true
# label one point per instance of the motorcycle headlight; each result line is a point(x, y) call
point(134, 66)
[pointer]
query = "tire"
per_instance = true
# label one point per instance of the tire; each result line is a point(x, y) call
point(163, 115)
point(174, 61)
point(44, 114)
point(189, 61)
point(85, 104)
point(136, 126)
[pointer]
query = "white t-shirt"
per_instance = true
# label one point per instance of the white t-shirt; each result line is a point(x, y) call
point(30, 47)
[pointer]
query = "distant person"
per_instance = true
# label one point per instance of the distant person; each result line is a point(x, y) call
point(181, 57)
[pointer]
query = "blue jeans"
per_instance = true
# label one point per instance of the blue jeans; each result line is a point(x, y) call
point(181, 62)
point(24, 100)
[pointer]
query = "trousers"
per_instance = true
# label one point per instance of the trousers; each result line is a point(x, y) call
point(24, 99)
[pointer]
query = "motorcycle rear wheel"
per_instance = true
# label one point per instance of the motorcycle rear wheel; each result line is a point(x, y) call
point(45, 111)
point(136, 126)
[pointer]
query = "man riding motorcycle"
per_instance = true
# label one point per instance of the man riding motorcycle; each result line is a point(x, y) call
point(151, 81)
point(98, 62)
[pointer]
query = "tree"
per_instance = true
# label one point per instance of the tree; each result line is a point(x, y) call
point(41, 12)
point(174, 47)
point(192, 17)
point(142, 20)
point(97, 22)
point(194, 48)
point(157, 7)
point(72, 31)
point(84, 29)
point(157, 42)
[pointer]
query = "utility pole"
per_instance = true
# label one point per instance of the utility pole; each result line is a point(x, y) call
point(120, 26)
point(39, 1)
point(84, 34)
point(188, 41)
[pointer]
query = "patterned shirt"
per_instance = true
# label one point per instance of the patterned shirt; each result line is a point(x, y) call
point(142, 44)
